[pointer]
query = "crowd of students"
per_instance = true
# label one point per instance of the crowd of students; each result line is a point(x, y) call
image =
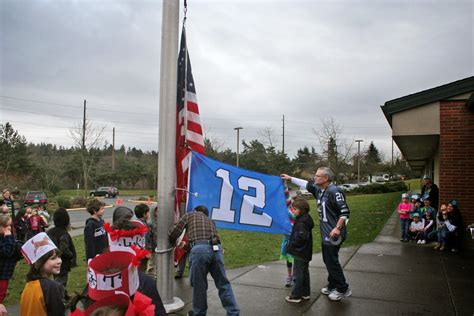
point(51, 255)
point(422, 223)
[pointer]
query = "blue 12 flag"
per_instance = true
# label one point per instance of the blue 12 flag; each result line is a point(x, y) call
point(237, 198)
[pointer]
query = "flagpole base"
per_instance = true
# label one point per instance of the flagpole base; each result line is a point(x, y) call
point(176, 305)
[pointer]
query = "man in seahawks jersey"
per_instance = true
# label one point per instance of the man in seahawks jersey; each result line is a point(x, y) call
point(333, 214)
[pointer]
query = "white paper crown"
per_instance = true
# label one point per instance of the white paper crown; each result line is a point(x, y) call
point(118, 242)
point(110, 272)
point(36, 247)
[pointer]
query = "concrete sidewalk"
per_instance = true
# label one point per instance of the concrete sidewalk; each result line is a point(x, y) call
point(387, 277)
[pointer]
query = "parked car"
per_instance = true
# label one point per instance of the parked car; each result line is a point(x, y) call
point(348, 186)
point(303, 192)
point(35, 197)
point(382, 177)
point(105, 191)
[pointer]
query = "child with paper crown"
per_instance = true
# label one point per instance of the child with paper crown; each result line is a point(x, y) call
point(129, 235)
point(42, 296)
point(114, 274)
point(113, 284)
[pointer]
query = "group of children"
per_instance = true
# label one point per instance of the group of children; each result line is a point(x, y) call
point(420, 222)
point(416, 218)
point(51, 255)
point(29, 221)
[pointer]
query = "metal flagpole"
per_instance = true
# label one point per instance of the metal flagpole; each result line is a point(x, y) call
point(167, 152)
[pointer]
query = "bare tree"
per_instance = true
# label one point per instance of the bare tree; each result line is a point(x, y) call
point(337, 150)
point(268, 136)
point(89, 144)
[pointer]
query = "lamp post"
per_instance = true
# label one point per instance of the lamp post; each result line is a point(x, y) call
point(238, 133)
point(358, 141)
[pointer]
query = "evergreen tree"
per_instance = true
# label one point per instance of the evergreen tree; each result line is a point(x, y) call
point(14, 155)
point(372, 160)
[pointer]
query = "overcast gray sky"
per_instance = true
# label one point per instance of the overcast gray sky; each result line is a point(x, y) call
point(253, 62)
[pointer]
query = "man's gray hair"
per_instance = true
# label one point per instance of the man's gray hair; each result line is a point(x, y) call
point(327, 172)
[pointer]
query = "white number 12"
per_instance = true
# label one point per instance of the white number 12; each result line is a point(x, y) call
point(247, 216)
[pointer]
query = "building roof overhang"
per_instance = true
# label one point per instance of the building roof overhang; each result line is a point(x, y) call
point(429, 96)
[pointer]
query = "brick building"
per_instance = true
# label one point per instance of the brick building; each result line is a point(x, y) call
point(434, 130)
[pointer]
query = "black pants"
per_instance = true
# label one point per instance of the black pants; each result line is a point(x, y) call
point(336, 279)
point(302, 281)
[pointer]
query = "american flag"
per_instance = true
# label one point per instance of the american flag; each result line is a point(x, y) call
point(189, 134)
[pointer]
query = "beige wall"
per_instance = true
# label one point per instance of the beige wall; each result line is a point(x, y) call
point(421, 120)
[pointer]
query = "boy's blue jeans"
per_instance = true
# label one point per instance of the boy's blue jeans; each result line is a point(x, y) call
point(301, 274)
point(204, 260)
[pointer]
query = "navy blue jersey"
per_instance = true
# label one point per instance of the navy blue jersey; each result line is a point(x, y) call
point(331, 206)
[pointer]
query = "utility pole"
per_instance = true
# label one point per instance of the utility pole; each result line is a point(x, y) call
point(84, 151)
point(238, 143)
point(84, 127)
point(358, 141)
point(113, 149)
point(167, 154)
point(283, 147)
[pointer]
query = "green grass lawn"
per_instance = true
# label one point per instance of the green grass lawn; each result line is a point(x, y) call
point(414, 185)
point(368, 215)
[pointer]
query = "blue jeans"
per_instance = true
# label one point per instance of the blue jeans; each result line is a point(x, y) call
point(336, 277)
point(204, 260)
point(301, 274)
point(404, 227)
point(443, 233)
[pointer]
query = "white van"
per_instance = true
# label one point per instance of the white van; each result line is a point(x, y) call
point(382, 177)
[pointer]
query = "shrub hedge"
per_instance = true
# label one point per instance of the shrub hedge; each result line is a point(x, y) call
point(373, 188)
point(63, 201)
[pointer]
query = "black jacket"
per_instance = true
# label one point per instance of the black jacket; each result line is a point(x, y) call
point(147, 286)
point(301, 238)
point(95, 237)
point(63, 241)
point(433, 194)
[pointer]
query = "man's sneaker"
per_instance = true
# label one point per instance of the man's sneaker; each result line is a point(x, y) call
point(442, 247)
point(289, 281)
point(335, 295)
point(436, 247)
point(305, 297)
point(293, 299)
point(326, 290)
point(423, 242)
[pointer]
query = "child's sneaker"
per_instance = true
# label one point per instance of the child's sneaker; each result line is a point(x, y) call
point(289, 281)
point(423, 242)
point(335, 295)
point(293, 299)
point(436, 247)
point(419, 241)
